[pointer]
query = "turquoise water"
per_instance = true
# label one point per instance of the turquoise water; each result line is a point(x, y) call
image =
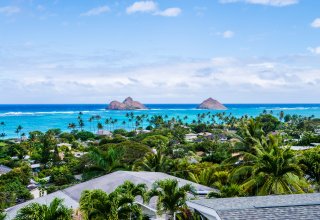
point(44, 117)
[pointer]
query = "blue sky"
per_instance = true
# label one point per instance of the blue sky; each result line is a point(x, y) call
point(165, 51)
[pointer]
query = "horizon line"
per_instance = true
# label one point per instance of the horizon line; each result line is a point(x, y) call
point(239, 103)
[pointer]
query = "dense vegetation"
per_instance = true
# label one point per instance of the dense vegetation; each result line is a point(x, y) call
point(238, 156)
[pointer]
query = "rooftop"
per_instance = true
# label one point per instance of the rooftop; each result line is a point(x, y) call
point(301, 147)
point(4, 169)
point(294, 206)
point(111, 181)
point(107, 183)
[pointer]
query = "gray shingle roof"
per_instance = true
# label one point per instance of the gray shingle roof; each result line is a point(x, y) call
point(294, 206)
point(260, 201)
point(4, 169)
point(107, 183)
point(311, 212)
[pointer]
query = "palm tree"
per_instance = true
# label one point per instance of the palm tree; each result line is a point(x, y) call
point(310, 163)
point(3, 216)
point(99, 126)
point(170, 197)
point(2, 124)
point(227, 191)
point(281, 115)
point(219, 180)
point(106, 161)
point(251, 134)
point(205, 177)
point(55, 211)
point(98, 118)
point(3, 135)
point(72, 126)
point(81, 124)
point(124, 124)
point(98, 205)
point(18, 130)
point(271, 169)
point(90, 120)
point(130, 188)
point(107, 122)
point(155, 162)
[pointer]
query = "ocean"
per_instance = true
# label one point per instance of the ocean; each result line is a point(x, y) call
point(44, 117)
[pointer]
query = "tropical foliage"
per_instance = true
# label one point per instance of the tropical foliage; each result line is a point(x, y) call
point(54, 211)
point(120, 204)
point(271, 169)
point(171, 198)
point(237, 156)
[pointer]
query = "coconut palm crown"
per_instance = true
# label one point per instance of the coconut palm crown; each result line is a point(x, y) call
point(54, 211)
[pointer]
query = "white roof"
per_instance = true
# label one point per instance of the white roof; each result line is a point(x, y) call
point(191, 134)
point(204, 133)
point(64, 144)
point(37, 165)
point(104, 132)
point(301, 147)
point(4, 169)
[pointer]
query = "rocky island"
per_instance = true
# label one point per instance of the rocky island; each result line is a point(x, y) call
point(127, 104)
point(212, 104)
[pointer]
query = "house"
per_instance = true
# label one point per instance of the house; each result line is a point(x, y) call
point(205, 134)
point(35, 167)
point(280, 207)
point(108, 183)
point(104, 133)
point(142, 131)
point(301, 147)
point(223, 138)
point(4, 169)
point(35, 191)
point(191, 137)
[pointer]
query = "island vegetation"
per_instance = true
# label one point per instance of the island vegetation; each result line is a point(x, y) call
point(244, 156)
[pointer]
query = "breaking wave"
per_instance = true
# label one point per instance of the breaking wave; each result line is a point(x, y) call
point(41, 113)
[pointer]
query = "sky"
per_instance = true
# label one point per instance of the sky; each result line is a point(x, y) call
point(165, 51)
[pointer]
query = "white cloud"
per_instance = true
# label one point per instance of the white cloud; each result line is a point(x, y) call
point(316, 23)
point(152, 8)
point(96, 11)
point(169, 12)
point(228, 34)
point(9, 10)
point(314, 50)
point(275, 3)
point(142, 6)
point(88, 77)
